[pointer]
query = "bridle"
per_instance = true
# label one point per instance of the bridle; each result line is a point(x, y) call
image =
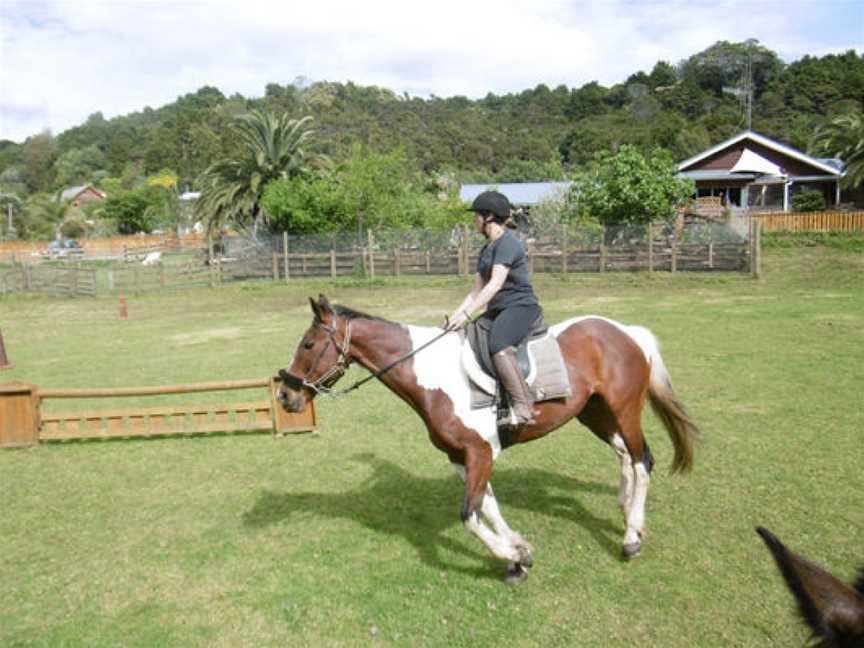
point(324, 383)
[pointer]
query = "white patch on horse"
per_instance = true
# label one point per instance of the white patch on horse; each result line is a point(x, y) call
point(628, 478)
point(438, 367)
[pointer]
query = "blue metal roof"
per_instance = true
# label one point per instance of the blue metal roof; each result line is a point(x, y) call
point(519, 193)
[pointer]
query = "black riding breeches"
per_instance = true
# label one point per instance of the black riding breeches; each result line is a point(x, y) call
point(510, 326)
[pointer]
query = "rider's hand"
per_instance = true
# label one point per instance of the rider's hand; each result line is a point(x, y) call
point(457, 320)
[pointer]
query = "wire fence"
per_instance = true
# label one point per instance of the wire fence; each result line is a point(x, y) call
point(693, 247)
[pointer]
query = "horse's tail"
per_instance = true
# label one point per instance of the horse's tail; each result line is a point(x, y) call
point(681, 428)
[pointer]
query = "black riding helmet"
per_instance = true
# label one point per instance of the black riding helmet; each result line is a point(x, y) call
point(494, 203)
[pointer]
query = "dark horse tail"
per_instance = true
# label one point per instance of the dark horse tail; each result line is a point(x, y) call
point(681, 428)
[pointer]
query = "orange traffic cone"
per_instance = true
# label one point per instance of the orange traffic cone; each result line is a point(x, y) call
point(124, 308)
point(4, 361)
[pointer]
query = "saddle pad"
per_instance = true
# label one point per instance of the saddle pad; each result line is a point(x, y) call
point(547, 377)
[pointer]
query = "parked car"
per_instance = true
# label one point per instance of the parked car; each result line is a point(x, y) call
point(62, 249)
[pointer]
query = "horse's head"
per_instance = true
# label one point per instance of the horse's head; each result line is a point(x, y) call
point(320, 360)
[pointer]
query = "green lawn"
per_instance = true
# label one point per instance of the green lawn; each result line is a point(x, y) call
point(352, 537)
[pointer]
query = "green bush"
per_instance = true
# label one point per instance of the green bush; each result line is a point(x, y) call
point(808, 200)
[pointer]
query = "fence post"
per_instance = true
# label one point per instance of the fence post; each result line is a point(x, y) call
point(650, 247)
point(674, 250)
point(428, 262)
point(285, 254)
point(332, 262)
point(603, 250)
point(275, 256)
point(564, 248)
point(210, 259)
point(396, 262)
point(371, 244)
point(756, 250)
point(711, 254)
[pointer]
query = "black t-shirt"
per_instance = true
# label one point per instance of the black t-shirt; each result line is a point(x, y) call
point(517, 289)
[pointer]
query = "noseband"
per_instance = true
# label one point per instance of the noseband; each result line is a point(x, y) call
point(324, 383)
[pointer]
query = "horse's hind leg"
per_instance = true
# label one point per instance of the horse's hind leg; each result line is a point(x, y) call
point(635, 459)
point(623, 431)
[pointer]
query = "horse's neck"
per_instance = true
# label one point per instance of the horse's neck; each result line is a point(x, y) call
point(377, 343)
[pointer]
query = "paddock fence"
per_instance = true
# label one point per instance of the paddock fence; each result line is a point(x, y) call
point(701, 246)
point(25, 420)
point(823, 221)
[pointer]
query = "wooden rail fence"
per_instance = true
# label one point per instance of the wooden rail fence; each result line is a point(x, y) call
point(824, 221)
point(24, 421)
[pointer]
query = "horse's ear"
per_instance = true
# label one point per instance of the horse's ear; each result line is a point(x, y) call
point(324, 307)
point(315, 309)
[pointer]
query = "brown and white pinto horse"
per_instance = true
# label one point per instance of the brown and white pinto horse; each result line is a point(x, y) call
point(612, 370)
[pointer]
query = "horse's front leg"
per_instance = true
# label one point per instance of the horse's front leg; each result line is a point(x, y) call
point(503, 542)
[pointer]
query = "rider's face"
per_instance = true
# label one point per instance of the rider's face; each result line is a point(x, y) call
point(479, 221)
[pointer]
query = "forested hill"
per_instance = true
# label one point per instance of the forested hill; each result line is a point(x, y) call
point(540, 133)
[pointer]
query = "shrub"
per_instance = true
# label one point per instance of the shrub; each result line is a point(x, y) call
point(808, 200)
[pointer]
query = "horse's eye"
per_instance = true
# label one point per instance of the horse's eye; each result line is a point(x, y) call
point(308, 344)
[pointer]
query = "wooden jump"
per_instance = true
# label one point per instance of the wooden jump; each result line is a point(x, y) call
point(24, 423)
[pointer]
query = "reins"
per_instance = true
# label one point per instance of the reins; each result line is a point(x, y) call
point(381, 372)
point(323, 384)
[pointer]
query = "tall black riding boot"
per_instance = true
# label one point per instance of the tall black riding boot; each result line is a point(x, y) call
point(521, 399)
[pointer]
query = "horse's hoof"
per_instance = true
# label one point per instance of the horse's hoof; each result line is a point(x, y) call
point(632, 549)
point(525, 557)
point(516, 574)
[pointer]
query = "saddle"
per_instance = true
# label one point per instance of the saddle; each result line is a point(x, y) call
point(538, 355)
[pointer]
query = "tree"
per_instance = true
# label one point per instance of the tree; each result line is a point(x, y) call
point(843, 137)
point(136, 211)
point(79, 166)
point(272, 147)
point(43, 216)
point(628, 187)
point(39, 153)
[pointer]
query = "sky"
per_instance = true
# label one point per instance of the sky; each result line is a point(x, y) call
point(61, 61)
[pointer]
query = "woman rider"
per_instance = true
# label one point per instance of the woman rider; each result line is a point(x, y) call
point(503, 286)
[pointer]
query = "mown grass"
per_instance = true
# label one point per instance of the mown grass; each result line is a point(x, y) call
point(352, 537)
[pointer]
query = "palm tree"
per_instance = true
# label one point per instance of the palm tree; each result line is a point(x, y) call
point(843, 137)
point(44, 216)
point(274, 147)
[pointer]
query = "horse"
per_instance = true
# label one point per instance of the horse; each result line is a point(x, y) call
point(833, 610)
point(612, 369)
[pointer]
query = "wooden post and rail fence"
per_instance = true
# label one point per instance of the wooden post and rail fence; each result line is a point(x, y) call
point(24, 421)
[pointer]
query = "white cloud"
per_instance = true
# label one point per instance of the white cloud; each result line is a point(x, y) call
point(60, 61)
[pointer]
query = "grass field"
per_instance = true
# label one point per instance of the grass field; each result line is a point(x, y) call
point(352, 537)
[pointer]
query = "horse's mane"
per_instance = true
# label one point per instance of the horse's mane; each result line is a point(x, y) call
point(350, 314)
